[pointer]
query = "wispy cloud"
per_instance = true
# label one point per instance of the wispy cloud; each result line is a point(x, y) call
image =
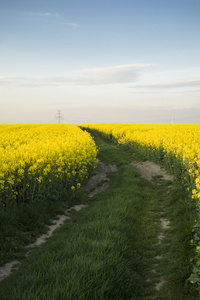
point(175, 107)
point(47, 14)
point(55, 18)
point(94, 76)
point(108, 75)
point(171, 84)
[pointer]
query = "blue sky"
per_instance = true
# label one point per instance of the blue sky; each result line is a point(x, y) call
point(128, 61)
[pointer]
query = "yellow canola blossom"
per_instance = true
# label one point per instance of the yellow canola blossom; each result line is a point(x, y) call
point(177, 147)
point(37, 160)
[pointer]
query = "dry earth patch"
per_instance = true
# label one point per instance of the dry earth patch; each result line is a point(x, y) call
point(99, 182)
point(148, 170)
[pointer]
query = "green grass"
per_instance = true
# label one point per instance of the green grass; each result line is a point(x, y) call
point(176, 263)
point(22, 223)
point(108, 250)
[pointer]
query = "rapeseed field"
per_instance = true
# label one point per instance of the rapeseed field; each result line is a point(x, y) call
point(41, 161)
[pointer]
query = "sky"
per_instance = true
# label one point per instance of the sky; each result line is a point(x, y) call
point(100, 61)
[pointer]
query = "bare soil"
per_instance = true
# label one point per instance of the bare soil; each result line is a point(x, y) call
point(149, 169)
point(99, 182)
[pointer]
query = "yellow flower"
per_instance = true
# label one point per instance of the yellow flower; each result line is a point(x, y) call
point(43, 153)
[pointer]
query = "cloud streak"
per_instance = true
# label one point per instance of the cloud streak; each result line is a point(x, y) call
point(109, 75)
point(95, 76)
point(47, 14)
point(54, 18)
point(170, 85)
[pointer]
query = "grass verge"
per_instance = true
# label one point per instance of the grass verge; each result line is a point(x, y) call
point(22, 223)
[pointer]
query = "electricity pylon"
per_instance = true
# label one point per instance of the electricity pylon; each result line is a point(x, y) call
point(59, 116)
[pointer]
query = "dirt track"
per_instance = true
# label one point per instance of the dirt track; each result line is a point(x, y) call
point(149, 169)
